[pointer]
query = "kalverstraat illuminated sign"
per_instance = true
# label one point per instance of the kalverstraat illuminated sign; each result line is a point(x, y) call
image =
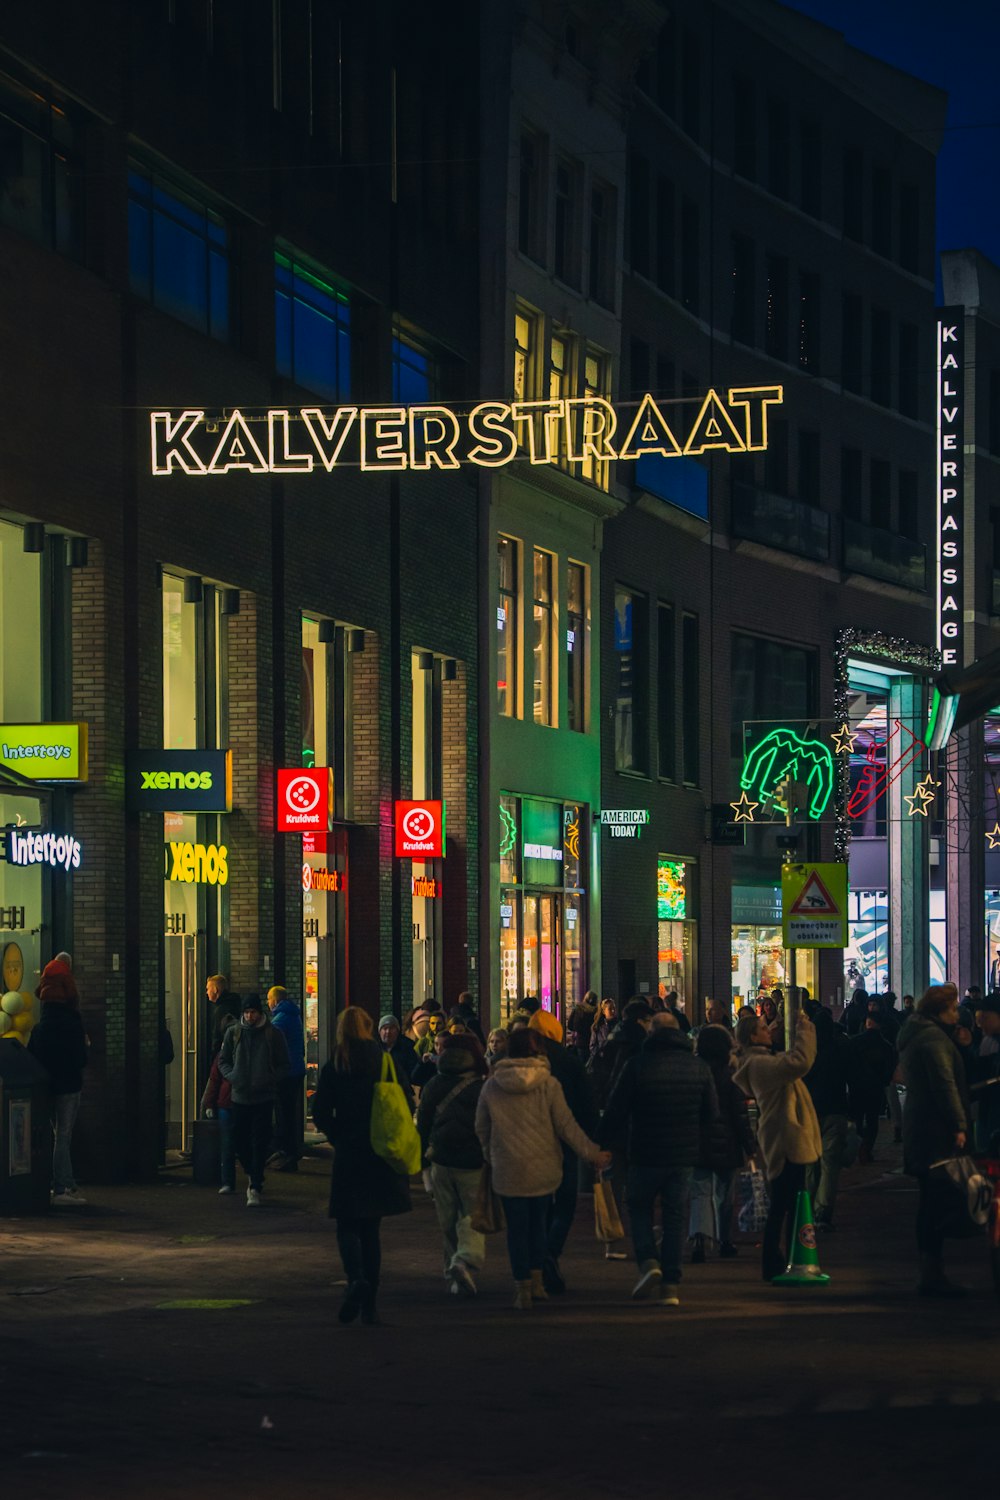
point(179, 781)
point(45, 752)
point(950, 432)
point(285, 440)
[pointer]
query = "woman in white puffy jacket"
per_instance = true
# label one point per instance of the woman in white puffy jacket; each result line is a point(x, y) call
point(522, 1120)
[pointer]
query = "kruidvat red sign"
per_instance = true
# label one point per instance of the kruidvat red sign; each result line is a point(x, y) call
point(419, 830)
point(305, 797)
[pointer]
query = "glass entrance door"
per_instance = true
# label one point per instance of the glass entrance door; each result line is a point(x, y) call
point(184, 982)
point(541, 950)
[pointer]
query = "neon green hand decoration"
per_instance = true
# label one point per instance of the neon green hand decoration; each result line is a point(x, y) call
point(783, 753)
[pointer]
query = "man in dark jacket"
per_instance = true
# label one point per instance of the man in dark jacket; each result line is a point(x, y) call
point(224, 1003)
point(399, 1047)
point(666, 1098)
point(568, 1070)
point(873, 1062)
point(59, 1043)
point(827, 1082)
point(254, 1058)
point(935, 1121)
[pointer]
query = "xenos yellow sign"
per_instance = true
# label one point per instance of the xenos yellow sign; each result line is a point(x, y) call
point(197, 864)
point(45, 752)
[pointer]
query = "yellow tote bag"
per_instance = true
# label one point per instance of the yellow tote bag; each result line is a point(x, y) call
point(394, 1136)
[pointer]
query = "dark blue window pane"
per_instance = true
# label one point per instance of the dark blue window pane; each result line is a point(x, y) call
point(138, 185)
point(218, 277)
point(218, 233)
point(138, 249)
point(194, 218)
point(282, 334)
point(681, 481)
point(180, 272)
point(344, 363)
point(315, 350)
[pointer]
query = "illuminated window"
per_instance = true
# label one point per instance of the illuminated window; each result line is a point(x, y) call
point(41, 182)
point(577, 645)
point(312, 329)
point(179, 254)
point(507, 625)
point(542, 673)
point(526, 326)
point(596, 382)
point(560, 367)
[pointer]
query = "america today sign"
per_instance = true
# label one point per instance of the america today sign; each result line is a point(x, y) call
point(490, 434)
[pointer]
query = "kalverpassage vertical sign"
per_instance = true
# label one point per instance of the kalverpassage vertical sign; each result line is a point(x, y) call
point(950, 426)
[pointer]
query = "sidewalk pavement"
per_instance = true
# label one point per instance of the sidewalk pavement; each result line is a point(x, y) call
point(165, 1341)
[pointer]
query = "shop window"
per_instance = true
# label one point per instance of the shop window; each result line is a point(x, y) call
point(180, 253)
point(577, 644)
point(41, 187)
point(543, 924)
point(508, 625)
point(676, 932)
point(630, 706)
point(426, 782)
point(312, 329)
point(543, 676)
point(596, 381)
point(327, 706)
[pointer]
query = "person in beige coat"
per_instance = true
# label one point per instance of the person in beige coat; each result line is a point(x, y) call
point(521, 1120)
point(788, 1133)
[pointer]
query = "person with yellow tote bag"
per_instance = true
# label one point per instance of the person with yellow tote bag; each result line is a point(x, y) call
point(365, 1187)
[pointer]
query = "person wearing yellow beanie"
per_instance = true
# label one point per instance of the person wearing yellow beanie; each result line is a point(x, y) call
point(548, 1024)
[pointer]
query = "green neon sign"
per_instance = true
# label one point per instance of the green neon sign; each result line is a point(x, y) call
point(783, 753)
point(509, 835)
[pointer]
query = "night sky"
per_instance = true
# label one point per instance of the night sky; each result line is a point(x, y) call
point(955, 46)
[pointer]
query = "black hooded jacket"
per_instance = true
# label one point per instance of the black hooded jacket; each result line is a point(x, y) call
point(666, 1097)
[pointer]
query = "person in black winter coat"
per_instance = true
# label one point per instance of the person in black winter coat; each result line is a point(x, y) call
point(364, 1189)
point(569, 1072)
point(466, 1009)
point(59, 1043)
point(666, 1098)
point(827, 1082)
point(452, 1155)
point(873, 1062)
point(855, 1013)
point(724, 1149)
point(399, 1047)
point(603, 1071)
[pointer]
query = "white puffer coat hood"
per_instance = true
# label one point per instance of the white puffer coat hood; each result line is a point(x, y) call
point(519, 1075)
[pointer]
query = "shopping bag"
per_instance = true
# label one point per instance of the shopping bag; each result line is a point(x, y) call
point(607, 1220)
point(393, 1134)
point(487, 1216)
point(962, 1195)
point(753, 1201)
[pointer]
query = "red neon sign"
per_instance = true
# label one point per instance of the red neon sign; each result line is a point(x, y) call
point(419, 830)
point(304, 798)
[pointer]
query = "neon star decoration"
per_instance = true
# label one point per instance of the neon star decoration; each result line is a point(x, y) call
point(744, 808)
point(923, 793)
point(993, 836)
point(843, 739)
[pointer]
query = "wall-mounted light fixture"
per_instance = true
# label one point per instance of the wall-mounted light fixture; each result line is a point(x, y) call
point(327, 632)
point(425, 661)
point(355, 641)
point(76, 552)
point(229, 601)
point(34, 536)
point(193, 591)
point(450, 672)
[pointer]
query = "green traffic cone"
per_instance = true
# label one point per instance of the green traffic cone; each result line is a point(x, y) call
point(803, 1267)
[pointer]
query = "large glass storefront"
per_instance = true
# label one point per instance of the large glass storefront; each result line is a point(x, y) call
point(426, 882)
point(195, 911)
point(760, 961)
point(543, 902)
point(676, 932)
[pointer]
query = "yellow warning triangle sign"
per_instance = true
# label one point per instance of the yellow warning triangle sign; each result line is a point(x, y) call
point(814, 900)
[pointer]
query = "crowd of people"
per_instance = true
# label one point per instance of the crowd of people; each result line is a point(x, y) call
point(671, 1118)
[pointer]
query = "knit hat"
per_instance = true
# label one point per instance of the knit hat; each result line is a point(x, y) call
point(389, 1020)
point(714, 1044)
point(545, 1022)
point(253, 1002)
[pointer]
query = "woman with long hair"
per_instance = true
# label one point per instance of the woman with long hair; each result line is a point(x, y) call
point(604, 1024)
point(364, 1189)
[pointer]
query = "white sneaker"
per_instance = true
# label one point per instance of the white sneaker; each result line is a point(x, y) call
point(462, 1279)
point(226, 1190)
point(253, 1198)
point(69, 1199)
